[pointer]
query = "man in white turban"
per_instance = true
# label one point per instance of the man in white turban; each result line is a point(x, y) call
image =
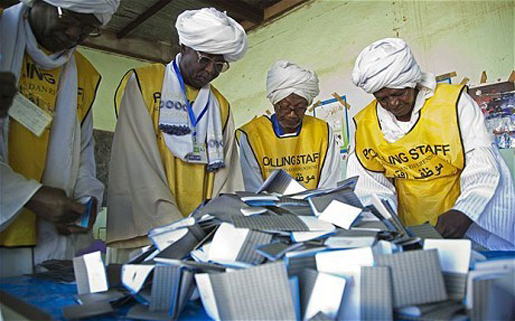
point(47, 175)
point(174, 144)
point(425, 147)
point(302, 145)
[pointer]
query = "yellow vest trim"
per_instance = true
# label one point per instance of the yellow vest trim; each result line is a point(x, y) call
point(301, 156)
point(425, 164)
point(189, 183)
point(27, 153)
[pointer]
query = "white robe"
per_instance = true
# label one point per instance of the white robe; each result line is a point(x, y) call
point(487, 189)
point(70, 158)
point(139, 195)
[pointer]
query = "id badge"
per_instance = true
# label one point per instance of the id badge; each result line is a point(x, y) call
point(29, 115)
point(199, 154)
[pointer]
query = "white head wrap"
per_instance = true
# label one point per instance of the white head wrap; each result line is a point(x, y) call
point(386, 63)
point(286, 78)
point(103, 10)
point(211, 31)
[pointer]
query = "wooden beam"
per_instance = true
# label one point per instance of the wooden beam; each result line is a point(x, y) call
point(511, 78)
point(133, 47)
point(238, 9)
point(273, 11)
point(7, 3)
point(142, 18)
point(484, 77)
point(446, 76)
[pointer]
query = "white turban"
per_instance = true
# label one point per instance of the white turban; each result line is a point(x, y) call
point(211, 31)
point(286, 78)
point(103, 10)
point(386, 63)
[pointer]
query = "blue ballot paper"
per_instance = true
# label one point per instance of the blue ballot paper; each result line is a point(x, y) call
point(83, 220)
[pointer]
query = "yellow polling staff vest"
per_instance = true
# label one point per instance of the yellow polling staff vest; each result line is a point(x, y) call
point(27, 153)
point(190, 183)
point(424, 165)
point(302, 156)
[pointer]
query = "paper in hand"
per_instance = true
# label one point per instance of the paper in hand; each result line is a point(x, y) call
point(84, 219)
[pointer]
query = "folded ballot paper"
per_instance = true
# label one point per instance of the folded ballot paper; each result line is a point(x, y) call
point(287, 253)
point(85, 219)
point(257, 293)
point(90, 273)
point(280, 182)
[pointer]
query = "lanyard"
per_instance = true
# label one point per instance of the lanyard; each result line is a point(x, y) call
point(194, 120)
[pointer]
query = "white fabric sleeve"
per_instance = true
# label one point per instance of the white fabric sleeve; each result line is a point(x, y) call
point(15, 192)
point(87, 184)
point(330, 173)
point(251, 171)
point(370, 183)
point(487, 191)
point(488, 198)
point(15, 189)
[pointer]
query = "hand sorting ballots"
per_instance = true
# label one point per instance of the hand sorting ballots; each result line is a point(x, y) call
point(453, 224)
point(7, 92)
point(53, 205)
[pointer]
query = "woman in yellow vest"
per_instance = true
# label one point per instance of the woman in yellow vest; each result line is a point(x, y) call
point(46, 172)
point(302, 145)
point(425, 147)
point(174, 143)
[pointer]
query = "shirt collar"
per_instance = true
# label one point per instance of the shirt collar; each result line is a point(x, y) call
point(279, 131)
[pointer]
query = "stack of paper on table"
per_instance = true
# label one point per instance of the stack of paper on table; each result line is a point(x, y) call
point(306, 255)
point(281, 183)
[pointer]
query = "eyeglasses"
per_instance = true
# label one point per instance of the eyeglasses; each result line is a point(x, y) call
point(299, 109)
point(220, 66)
point(67, 19)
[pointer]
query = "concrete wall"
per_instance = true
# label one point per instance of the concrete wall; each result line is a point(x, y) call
point(112, 67)
point(326, 36)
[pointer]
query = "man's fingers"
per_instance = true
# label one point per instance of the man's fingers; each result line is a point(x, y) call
point(76, 229)
point(69, 217)
point(62, 229)
point(73, 211)
point(7, 84)
point(5, 103)
point(7, 90)
point(77, 207)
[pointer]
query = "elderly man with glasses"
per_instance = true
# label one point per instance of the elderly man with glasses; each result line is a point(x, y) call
point(424, 148)
point(47, 167)
point(302, 145)
point(174, 143)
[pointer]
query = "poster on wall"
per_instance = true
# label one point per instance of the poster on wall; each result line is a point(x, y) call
point(336, 115)
point(497, 102)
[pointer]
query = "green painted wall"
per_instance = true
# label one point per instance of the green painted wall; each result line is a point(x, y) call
point(112, 68)
point(326, 36)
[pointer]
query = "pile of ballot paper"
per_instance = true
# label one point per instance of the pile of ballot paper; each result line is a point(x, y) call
point(287, 253)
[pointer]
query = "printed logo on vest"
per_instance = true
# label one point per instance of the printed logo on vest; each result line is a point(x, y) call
point(291, 160)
